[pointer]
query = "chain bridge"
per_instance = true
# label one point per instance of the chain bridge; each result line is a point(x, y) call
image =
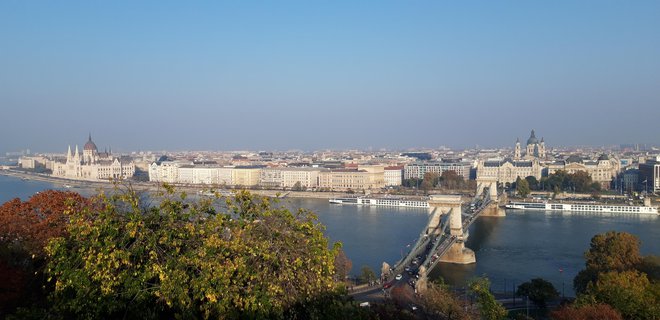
point(443, 238)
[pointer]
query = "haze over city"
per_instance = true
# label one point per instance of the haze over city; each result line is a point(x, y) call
point(301, 75)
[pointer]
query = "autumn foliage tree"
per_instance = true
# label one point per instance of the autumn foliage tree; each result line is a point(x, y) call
point(25, 228)
point(438, 302)
point(612, 276)
point(343, 265)
point(610, 251)
point(587, 312)
point(189, 259)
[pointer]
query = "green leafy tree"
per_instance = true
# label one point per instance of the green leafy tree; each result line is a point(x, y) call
point(538, 290)
point(367, 275)
point(522, 187)
point(651, 266)
point(412, 182)
point(297, 186)
point(581, 181)
point(489, 308)
point(184, 259)
point(532, 182)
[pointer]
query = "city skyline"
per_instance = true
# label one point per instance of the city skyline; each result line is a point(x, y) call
point(120, 149)
point(340, 75)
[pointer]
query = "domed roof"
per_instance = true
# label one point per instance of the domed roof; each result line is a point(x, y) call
point(603, 157)
point(532, 139)
point(90, 146)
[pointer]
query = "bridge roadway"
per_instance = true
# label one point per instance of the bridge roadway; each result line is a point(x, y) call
point(430, 246)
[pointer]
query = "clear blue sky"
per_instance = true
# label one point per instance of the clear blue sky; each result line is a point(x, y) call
point(279, 75)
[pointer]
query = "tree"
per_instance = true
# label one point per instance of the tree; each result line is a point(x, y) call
point(610, 251)
point(451, 180)
point(581, 181)
point(430, 181)
point(629, 292)
point(32, 223)
point(522, 187)
point(489, 308)
point(183, 259)
point(342, 265)
point(367, 275)
point(438, 300)
point(583, 279)
point(613, 251)
point(532, 182)
point(25, 228)
point(651, 266)
point(538, 291)
point(587, 312)
point(297, 186)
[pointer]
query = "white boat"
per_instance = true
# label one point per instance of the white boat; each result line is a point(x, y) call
point(386, 202)
point(582, 207)
point(514, 206)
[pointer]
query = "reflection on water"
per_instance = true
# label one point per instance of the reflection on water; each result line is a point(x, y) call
point(481, 230)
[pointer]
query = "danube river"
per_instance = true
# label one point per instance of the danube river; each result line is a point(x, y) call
point(509, 250)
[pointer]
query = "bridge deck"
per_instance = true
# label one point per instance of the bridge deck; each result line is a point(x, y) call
point(430, 246)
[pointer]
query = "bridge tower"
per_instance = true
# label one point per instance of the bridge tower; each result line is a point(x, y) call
point(450, 204)
point(490, 184)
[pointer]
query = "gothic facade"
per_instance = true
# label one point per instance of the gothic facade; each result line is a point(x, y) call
point(93, 165)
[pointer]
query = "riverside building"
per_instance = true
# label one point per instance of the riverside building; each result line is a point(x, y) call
point(522, 165)
point(93, 165)
point(419, 169)
point(603, 170)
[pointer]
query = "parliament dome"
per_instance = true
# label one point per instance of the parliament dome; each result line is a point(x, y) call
point(90, 146)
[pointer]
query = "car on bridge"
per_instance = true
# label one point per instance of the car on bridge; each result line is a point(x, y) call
point(398, 277)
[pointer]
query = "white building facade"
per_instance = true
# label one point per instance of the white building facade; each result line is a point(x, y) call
point(92, 165)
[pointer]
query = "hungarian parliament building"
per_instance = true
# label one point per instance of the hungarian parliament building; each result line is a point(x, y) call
point(93, 165)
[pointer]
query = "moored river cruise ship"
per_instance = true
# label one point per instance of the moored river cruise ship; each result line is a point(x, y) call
point(582, 207)
point(388, 202)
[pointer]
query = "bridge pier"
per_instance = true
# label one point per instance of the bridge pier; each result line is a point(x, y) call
point(493, 210)
point(490, 185)
point(457, 253)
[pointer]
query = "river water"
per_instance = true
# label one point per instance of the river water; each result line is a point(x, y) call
point(509, 250)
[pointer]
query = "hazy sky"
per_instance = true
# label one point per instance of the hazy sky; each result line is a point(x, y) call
point(275, 75)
